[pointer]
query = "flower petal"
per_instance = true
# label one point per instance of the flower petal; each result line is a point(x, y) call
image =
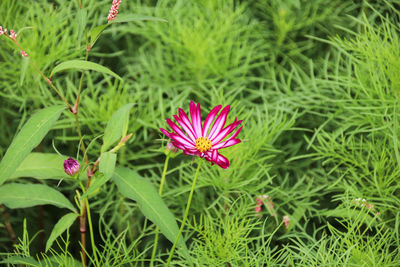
point(210, 118)
point(178, 131)
point(227, 143)
point(181, 140)
point(188, 129)
point(222, 161)
point(235, 134)
point(165, 132)
point(196, 119)
point(227, 130)
point(219, 122)
point(186, 121)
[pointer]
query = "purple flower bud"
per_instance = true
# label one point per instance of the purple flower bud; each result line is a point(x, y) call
point(71, 166)
point(171, 147)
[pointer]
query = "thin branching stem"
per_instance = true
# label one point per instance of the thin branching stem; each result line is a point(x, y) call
point(189, 202)
point(164, 173)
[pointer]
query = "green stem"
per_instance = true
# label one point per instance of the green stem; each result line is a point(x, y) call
point(164, 173)
point(163, 176)
point(89, 218)
point(186, 212)
point(78, 129)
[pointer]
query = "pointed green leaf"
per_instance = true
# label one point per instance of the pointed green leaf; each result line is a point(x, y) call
point(31, 134)
point(95, 33)
point(63, 224)
point(132, 186)
point(17, 196)
point(107, 164)
point(136, 17)
point(116, 126)
point(29, 261)
point(42, 166)
point(83, 65)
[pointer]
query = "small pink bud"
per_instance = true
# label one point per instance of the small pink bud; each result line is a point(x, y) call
point(170, 150)
point(1, 30)
point(23, 53)
point(13, 35)
point(71, 166)
point(286, 221)
point(114, 10)
point(258, 207)
point(171, 147)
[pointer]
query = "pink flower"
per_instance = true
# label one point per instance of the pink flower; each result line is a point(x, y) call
point(113, 10)
point(286, 221)
point(258, 207)
point(13, 35)
point(23, 53)
point(3, 31)
point(203, 140)
point(71, 166)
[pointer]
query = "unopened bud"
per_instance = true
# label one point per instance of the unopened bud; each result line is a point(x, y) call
point(71, 166)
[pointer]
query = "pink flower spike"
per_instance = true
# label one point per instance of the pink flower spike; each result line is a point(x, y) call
point(23, 53)
point(13, 35)
point(193, 138)
point(114, 10)
point(286, 221)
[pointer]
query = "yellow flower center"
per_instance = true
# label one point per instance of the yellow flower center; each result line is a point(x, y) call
point(203, 144)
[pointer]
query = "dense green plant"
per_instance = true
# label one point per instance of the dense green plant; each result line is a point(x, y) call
point(313, 182)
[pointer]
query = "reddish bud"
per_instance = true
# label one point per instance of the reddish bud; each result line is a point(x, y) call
point(71, 166)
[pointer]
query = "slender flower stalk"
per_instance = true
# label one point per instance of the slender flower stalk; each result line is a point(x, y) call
point(204, 140)
point(186, 213)
point(164, 174)
point(114, 10)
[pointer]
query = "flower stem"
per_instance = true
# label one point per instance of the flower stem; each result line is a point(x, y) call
point(186, 212)
point(9, 228)
point(164, 173)
point(91, 232)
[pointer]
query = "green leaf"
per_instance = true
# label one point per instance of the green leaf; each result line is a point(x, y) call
point(20, 260)
point(107, 164)
point(95, 33)
point(136, 17)
point(31, 134)
point(63, 224)
point(116, 126)
point(83, 65)
point(17, 196)
point(81, 18)
point(41, 166)
point(132, 186)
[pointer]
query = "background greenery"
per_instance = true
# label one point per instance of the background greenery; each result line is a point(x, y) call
point(317, 84)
